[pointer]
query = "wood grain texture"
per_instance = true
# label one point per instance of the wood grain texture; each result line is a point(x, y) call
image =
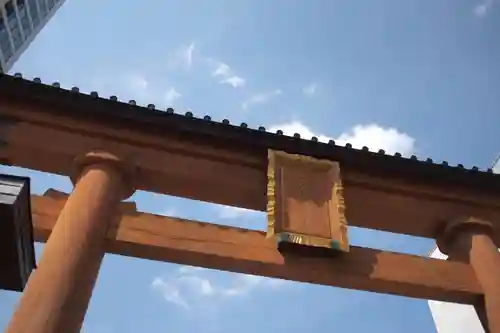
point(177, 166)
point(305, 201)
point(237, 250)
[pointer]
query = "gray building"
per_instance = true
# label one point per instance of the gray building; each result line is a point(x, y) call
point(20, 22)
point(496, 165)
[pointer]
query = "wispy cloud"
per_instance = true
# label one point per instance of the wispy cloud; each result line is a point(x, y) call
point(228, 212)
point(171, 96)
point(225, 75)
point(136, 82)
point(138, 87)
point(482, 9)
point(234, 81)
point(372, 136)
point(172, 212)
point(310, 89)
point(222, 70)
point(183, 57)
point(188, 54)
point(170, 292)
point(191, 285)
point(260, 98)
point(132, 85)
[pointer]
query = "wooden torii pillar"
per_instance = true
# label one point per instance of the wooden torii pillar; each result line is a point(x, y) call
point(470, 240)
point(58, 292)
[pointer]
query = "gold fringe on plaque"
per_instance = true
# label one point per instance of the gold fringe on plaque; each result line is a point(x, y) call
point(271, 197)
point(341, 244)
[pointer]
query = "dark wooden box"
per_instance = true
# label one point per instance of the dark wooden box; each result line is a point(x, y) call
point(17, 252)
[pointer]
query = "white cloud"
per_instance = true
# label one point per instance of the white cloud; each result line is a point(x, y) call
point(183, 57)
point(482, 9)
point(229, 212)
point(310, 89)
point(137, 86)
point(190, 269)
point(372, 136)
point(171, 96)
point(136, 82)
point(170, 292)
point(297, 127)
point(245, 283)
point(234, 81)
point(188, 54)
point(226, 76)
point(375, 137)
point(222, 70)
point(191, 285)
point(171, 212)
point(260, 98)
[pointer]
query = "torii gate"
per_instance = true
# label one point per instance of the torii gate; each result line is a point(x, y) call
point(110, 149)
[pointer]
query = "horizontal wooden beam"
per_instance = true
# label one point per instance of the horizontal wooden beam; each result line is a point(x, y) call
point(237, 250)
point(174, 170)
point(182, 168)
point(403, 207)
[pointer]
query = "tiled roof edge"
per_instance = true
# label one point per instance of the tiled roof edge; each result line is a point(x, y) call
point(257, 138)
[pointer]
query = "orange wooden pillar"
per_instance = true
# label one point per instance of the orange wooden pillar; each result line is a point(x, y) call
point(58, 292)
point(470, 240)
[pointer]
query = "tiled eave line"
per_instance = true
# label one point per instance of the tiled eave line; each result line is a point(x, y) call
point(241, 137)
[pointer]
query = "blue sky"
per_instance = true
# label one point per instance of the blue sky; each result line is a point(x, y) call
point(415, 76)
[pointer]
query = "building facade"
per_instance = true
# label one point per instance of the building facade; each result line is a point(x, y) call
point(20, 22)
point(496, 165)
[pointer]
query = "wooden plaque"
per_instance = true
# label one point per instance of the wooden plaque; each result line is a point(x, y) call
point(305, 202)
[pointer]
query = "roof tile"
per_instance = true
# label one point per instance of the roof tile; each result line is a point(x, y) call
point(253, 137)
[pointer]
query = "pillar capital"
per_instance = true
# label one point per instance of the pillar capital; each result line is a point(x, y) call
point(470, 240)
point(117, 165)
point(456, 227)
point(58, 292)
